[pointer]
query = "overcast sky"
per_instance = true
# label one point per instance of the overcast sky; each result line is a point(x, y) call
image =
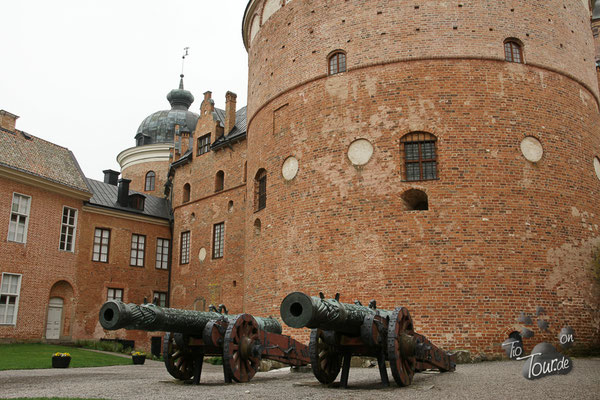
point(85, 73)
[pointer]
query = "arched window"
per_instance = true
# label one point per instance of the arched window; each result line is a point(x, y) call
point(420, 158)
point(337, 63)
point(260, 190)
point(219, 181)
point(150, 180)
point(415, 200)
point(513, 51)
point(186, 192)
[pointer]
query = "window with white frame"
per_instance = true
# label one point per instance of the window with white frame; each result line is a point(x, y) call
point(115, 294)
point(138, 246)
point(9, 298)
point(19, 218)
point(67, 229)
point(101, 243)
point(160, 299)
point(162, 253)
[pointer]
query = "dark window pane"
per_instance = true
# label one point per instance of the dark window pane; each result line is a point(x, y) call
point(411, 151)
point(429, 170)
point(413, 172)
point(428, 151)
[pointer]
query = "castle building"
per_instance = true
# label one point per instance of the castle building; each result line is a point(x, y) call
point(71, 243)
point(444, 157)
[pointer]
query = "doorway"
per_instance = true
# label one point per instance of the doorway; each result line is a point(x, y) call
point(55, 310)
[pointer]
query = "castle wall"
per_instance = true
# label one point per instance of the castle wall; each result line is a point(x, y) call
point(502, 235)
point(39, 260)
point(292, 45)
point(95, 278)
point(206, 280)
point(137, 174)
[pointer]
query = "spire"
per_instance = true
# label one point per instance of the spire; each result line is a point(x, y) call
point(181, 98)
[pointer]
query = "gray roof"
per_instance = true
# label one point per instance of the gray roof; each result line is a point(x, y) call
point(27, 153)
point(237, 133)
point(105, 195)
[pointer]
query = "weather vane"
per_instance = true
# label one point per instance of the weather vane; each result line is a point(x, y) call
point(183, 58)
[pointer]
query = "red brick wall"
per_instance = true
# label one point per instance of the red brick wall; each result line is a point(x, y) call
point(137, 174)
point(293, 44)
point(502, 235)
point(212, 280)
point(94, 278)
point(39, 260)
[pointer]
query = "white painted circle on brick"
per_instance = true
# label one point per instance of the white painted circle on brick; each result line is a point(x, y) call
point(532, 149)
point(202, 254)
point(360, 152)
point(289, 169)
point(597, 166)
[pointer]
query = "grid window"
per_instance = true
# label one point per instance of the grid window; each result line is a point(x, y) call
point(115, 294)
point(160, 299)
point(162, 253)
point(138, 246)
point(203, 144)
point(260, 190)
point(9, 298)
point(101, 244)
point(67, 229)
point(218, 239)
point(420, 159)
point(513, 52)
point(19, 218)
point(150, 181)
point(337, 63)
point(184, 248)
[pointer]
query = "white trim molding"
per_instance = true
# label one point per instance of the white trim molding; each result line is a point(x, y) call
point(146, 153)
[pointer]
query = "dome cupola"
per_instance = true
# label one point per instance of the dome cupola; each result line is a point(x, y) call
point(159, 127)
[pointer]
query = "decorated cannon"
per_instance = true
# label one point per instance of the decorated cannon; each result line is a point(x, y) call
point(241, 340)
point(340, 331)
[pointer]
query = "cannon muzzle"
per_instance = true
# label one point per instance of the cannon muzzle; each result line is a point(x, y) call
point(115, 315)
point(299, 310)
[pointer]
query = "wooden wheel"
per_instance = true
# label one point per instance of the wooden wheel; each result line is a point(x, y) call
point(401, 347)
point(242, 350)
point(325, 360)
point(178, 360)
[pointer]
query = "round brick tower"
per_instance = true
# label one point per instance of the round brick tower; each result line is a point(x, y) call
point(438, 156)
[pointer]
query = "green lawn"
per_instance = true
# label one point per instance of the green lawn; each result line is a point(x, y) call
point(31, 356)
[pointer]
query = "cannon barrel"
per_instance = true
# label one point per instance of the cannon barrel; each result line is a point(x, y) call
point(115, 315)
point(300, 310)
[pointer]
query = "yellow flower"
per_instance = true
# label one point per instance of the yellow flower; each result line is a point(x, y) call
point(138, 353)
point(62, 355)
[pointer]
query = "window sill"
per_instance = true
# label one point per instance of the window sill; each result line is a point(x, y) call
point(14, 241)
point(421, 180)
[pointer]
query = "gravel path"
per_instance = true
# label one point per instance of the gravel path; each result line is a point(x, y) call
point(490, 380)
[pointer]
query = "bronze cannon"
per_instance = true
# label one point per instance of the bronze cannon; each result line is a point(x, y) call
point(242, 340)
point(340, 331)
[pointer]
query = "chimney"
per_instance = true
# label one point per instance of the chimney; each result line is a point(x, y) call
point(111, 177)
point(123, 192)
point(230, 103)
point(8, 121)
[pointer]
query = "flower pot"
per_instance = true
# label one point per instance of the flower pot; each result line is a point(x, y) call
point(138, 360)
point(60, 362)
